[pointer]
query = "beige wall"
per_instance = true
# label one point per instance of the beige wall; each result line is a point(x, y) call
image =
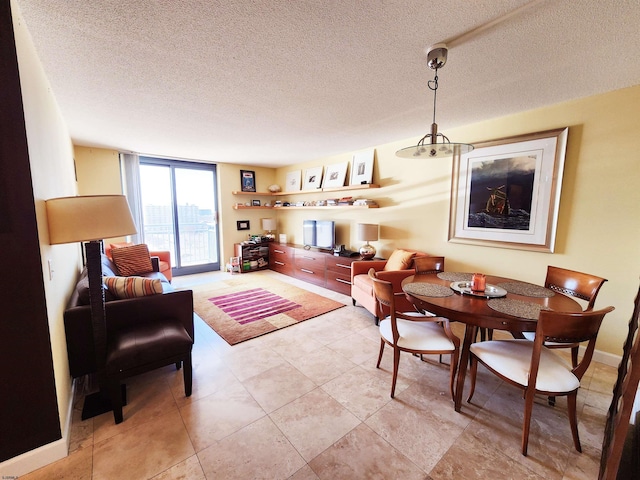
point(51, 157)
point(598, 220)
point(97, 171)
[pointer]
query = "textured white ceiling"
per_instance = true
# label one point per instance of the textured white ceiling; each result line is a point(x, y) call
point(277, 82)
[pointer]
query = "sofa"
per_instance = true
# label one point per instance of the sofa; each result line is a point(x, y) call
point(163, 256)
point(362, 285)
point(120, 313)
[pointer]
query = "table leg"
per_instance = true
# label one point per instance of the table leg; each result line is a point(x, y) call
point(469, 337)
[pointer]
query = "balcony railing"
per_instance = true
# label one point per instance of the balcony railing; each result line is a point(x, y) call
point(198, 242)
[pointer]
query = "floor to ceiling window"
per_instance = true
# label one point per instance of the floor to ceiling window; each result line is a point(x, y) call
point(180, 213)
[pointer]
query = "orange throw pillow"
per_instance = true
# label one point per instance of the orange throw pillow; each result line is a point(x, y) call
point(399, 260)
point(132, 260)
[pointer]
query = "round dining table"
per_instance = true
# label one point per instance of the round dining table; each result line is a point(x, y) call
point(506, 304)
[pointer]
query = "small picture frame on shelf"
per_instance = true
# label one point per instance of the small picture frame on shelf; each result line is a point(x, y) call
point(334, 175)
point(312, 178)
point(243, 225)
point(293, 181)
point(362, 168)
point(248, 180)
point(255, 203)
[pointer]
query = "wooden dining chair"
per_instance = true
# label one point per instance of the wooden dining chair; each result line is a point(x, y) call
point(535, 368)
point(624, 393)
point(426, 264)
point(578, 285)
point(412, 332)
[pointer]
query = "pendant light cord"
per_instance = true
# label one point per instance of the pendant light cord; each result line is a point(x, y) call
point(433, 85)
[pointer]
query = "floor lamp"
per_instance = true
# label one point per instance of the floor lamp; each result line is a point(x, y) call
point(91, 219)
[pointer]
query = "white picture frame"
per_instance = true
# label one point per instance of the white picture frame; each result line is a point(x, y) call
point(334, 175)
point(312, 178)
point(362, 167)
point(293, 181)
point(484, 209)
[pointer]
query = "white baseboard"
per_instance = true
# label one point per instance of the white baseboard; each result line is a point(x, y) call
point(606, 358)
point(41, 456)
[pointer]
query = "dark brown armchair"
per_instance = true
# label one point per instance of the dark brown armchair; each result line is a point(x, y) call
point(142, 334)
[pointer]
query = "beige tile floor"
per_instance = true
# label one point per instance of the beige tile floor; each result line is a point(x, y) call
point(307, 402)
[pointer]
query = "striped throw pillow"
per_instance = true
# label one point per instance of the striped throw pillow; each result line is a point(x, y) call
point(132, 260)
point(130, 287)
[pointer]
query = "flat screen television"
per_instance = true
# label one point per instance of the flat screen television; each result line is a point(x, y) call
point(319, 233)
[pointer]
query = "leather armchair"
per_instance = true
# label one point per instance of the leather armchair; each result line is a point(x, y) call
point(362, 285)
point(142, 334)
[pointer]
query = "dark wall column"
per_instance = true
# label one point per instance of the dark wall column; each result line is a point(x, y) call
point(29, 415)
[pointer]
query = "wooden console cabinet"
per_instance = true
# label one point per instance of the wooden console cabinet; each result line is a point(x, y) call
point(314, 266)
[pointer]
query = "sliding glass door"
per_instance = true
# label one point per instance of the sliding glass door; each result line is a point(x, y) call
point(180, 214)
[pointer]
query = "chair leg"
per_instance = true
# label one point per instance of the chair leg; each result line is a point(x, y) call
point(472, 372)
point(380, 354)
point(551, 401)
point(115, 395)
point(454, 366)
point(353, 300)
point(178, 365)
point(573, 421)
point(396, 364)
point(528, 409)
point(187, 374)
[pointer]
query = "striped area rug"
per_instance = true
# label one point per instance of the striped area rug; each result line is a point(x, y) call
point(249, 305)
point(252, 305)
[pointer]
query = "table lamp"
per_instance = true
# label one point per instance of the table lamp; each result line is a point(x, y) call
point(367, 232)
point(269, 224)
point(91, 219)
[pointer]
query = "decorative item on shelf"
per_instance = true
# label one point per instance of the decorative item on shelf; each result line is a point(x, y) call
point(436, 58)
point(364, 202)
point(367, 232)
point(293, 181)
point(255, 203)
point(312, 178)
point(269, 224)
point(334, 175)
point(362, 168)
point(274, 188)
point(91, 219)
point(248, 180)
point(478, 282)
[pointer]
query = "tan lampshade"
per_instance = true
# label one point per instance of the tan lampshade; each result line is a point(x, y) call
point(269, 224)
point(367, 232)
point(85, 218)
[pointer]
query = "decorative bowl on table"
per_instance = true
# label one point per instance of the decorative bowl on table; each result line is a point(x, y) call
point(490, 291)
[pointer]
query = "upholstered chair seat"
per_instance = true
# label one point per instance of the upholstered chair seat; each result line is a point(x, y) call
point(512, 359)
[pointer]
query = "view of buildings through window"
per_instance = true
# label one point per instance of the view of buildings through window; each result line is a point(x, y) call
point(179, 213)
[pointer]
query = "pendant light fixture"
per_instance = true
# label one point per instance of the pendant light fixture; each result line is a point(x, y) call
point(428, 146)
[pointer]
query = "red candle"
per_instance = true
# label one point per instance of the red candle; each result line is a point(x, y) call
point(478, 282)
